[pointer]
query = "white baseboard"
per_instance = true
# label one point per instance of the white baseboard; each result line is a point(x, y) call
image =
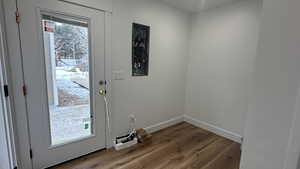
point(214, 129)
point(164, 124)
point(201, 124)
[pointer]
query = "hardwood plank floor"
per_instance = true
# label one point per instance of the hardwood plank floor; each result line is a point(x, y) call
point(182, 146)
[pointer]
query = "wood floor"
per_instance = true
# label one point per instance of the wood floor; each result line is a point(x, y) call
point(182, 146)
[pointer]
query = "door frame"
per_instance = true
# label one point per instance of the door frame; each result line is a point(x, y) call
point(6, 101)
point(292, 160)
point(20, 114)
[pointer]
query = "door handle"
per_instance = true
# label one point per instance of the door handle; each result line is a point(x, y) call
point(102, 92)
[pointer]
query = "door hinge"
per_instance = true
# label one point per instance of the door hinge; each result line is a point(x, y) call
point(30, 154)
point(24, 88)
point(5, 87)
point(18, 19)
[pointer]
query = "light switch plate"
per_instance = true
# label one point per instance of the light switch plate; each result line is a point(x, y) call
point(118, 75)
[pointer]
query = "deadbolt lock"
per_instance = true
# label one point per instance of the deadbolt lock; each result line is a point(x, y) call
point(102, 82)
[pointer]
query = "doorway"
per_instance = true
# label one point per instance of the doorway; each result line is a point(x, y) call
point(63, 65)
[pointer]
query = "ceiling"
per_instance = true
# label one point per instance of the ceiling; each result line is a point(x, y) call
point(196, 5)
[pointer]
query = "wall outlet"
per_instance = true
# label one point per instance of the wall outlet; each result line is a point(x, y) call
point(132, 118)
point(132, 121)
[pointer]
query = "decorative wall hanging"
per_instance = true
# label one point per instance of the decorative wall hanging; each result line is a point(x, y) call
point(140, 49)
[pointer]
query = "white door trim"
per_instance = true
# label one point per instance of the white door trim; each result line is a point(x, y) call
point(7, 101)
point(19, 101)
point(108, 75)
point(19, 114)
point(292, 160)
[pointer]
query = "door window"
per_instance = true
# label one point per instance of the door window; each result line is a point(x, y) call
point(66, 48)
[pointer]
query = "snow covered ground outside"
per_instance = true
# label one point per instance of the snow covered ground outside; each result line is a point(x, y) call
point(71, 120)
point(65, 82)
point(69, 123)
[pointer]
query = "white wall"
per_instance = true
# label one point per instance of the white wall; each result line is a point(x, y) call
point(222, 51)
point(161, 95)
point(105, 5)
point(273, 102)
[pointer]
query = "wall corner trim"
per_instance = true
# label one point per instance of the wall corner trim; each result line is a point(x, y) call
point(214, 129)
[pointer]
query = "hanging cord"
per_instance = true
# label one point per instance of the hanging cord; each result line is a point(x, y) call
point(107, 115)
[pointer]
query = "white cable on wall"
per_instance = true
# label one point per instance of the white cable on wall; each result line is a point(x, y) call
point(107, 115)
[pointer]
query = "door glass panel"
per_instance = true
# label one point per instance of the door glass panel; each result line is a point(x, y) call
point(66, 47)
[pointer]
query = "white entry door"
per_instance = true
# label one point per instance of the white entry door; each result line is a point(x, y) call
point(64, 69)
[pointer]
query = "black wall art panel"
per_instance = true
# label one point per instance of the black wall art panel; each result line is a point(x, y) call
point(140, 49)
